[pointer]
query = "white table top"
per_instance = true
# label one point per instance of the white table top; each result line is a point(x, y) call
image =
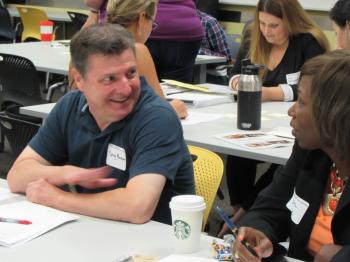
point(274, 114)
point(47, 58)
point(312, 5)
point(55, 58)
point(202, 134)
point(53, 13)
point(91, 239)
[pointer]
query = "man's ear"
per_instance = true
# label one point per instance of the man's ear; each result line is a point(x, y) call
point(78, 79)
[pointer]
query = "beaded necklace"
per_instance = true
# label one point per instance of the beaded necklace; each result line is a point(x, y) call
point(337, 185)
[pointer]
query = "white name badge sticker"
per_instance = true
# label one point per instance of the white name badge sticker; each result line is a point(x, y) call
point(293, 79)
point(116, 157)
point(298, 207)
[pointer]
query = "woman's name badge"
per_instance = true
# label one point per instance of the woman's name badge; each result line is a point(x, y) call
point(293, 79)
point(116, 157)
point(298, 207)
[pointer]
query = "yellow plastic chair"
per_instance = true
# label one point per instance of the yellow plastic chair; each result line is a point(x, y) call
point(208, 170)
point(232, 27)
point(332, 38)
point(31, 18)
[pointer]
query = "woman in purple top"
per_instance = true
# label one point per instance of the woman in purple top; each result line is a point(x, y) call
point(174, 44)
point(98, 12)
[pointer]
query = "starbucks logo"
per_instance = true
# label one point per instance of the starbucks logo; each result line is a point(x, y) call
point(182, 230)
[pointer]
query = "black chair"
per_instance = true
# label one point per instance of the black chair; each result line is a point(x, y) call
point(78, 19)
point(7, 33)
point(18, 130)
point(19, 85)
point(19, 82)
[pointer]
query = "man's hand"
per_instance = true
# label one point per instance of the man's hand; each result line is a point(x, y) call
point(42, 192)
point(87, 178)
point(257, 240)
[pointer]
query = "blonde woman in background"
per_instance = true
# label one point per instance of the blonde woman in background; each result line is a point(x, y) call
point(137, 16)
point(283, 37)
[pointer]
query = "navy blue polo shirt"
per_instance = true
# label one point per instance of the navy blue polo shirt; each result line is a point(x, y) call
point(151, 136)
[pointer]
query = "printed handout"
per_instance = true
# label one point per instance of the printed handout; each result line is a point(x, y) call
point(255, 139)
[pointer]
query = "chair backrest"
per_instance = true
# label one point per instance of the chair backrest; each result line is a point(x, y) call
point(78, 19)
point(6, 30)
point(17, 131)
point(31, 18)
point(234, 43)
point(232, 27)
point(208, 170)
point(19, 82)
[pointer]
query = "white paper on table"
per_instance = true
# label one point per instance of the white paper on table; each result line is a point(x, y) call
point(184, 258)
point(5, 193)
point(282, 131)
point(43, 219)
point(197, 99)
point(197, 117)
point(220, 89)
point(254, 139)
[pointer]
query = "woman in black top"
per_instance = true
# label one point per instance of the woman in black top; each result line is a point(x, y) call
point(282, 38)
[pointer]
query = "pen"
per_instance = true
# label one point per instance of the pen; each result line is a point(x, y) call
point(13, 220)
point(234, 229)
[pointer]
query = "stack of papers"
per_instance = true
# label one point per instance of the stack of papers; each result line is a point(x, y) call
point(197, 95)
point(198, 99)
point(206, 88)
point(42, 219)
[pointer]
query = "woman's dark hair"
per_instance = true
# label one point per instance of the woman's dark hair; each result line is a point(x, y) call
point(330, 92)
point(340, 13)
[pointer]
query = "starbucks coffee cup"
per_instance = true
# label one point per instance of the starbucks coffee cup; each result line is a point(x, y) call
point(187, 216)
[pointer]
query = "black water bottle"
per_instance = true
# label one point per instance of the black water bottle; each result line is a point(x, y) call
point(249, 97)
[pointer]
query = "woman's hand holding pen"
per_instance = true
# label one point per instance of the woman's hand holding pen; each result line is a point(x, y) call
point(257, 240)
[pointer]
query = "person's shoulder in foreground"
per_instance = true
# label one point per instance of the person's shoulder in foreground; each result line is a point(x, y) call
point(118, 142)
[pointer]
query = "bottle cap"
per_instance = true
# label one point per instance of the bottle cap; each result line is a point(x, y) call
point(250, 69)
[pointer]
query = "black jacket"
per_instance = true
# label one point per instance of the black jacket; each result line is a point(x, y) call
point(307, 173)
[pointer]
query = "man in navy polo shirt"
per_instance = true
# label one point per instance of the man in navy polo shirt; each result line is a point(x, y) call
point(114, 139)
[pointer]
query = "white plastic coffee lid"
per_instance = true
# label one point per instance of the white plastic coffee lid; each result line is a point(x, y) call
point(187, 203)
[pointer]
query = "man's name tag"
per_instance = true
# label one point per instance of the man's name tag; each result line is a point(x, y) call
point(116, 157)
point(298, 207)
point(293, 79)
